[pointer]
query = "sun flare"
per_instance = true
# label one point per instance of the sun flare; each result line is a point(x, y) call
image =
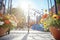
point(24, 5)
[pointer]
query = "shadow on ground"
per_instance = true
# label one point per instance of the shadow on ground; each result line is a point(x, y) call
point(25, 37)
point(8, 37)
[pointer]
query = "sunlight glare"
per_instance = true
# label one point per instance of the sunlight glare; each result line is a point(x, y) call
point(24, 5)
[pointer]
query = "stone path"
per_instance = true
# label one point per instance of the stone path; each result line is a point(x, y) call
point(24, 35)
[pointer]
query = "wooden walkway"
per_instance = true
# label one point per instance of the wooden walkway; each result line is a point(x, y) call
point(24, 35)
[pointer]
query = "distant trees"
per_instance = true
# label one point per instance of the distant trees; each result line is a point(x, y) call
point(19, 14)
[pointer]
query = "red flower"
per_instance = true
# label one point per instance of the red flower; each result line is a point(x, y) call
point(7, 22)
point(44, 16)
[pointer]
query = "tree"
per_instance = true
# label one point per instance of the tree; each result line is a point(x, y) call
point(18, 13)
point(20, 17)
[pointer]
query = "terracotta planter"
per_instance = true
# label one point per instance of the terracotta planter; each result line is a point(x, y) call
point(55, 32)
point(3, 31)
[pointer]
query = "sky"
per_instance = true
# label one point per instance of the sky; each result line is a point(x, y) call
point(36, 4)
point(39, 4)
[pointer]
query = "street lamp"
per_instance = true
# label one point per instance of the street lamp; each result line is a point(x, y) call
point(28, 17)
point(48, 4)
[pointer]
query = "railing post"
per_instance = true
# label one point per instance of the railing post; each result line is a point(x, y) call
point(56, 10)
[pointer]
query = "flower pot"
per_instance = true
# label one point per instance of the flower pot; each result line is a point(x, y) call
point(55, 32)
point(3, 31)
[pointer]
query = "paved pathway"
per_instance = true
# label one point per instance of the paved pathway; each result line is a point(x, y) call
point(24, 35)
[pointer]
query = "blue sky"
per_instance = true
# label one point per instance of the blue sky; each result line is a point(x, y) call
point(39, 4)
point(36, 4)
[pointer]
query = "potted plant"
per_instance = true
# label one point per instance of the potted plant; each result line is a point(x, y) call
point(44, 21)
point(5, 24)
point(53, 23)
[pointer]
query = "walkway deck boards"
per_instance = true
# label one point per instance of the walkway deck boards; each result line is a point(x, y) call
point(24, 35)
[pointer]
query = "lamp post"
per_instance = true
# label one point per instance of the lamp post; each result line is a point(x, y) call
point(48, 4)
point(28, 17)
